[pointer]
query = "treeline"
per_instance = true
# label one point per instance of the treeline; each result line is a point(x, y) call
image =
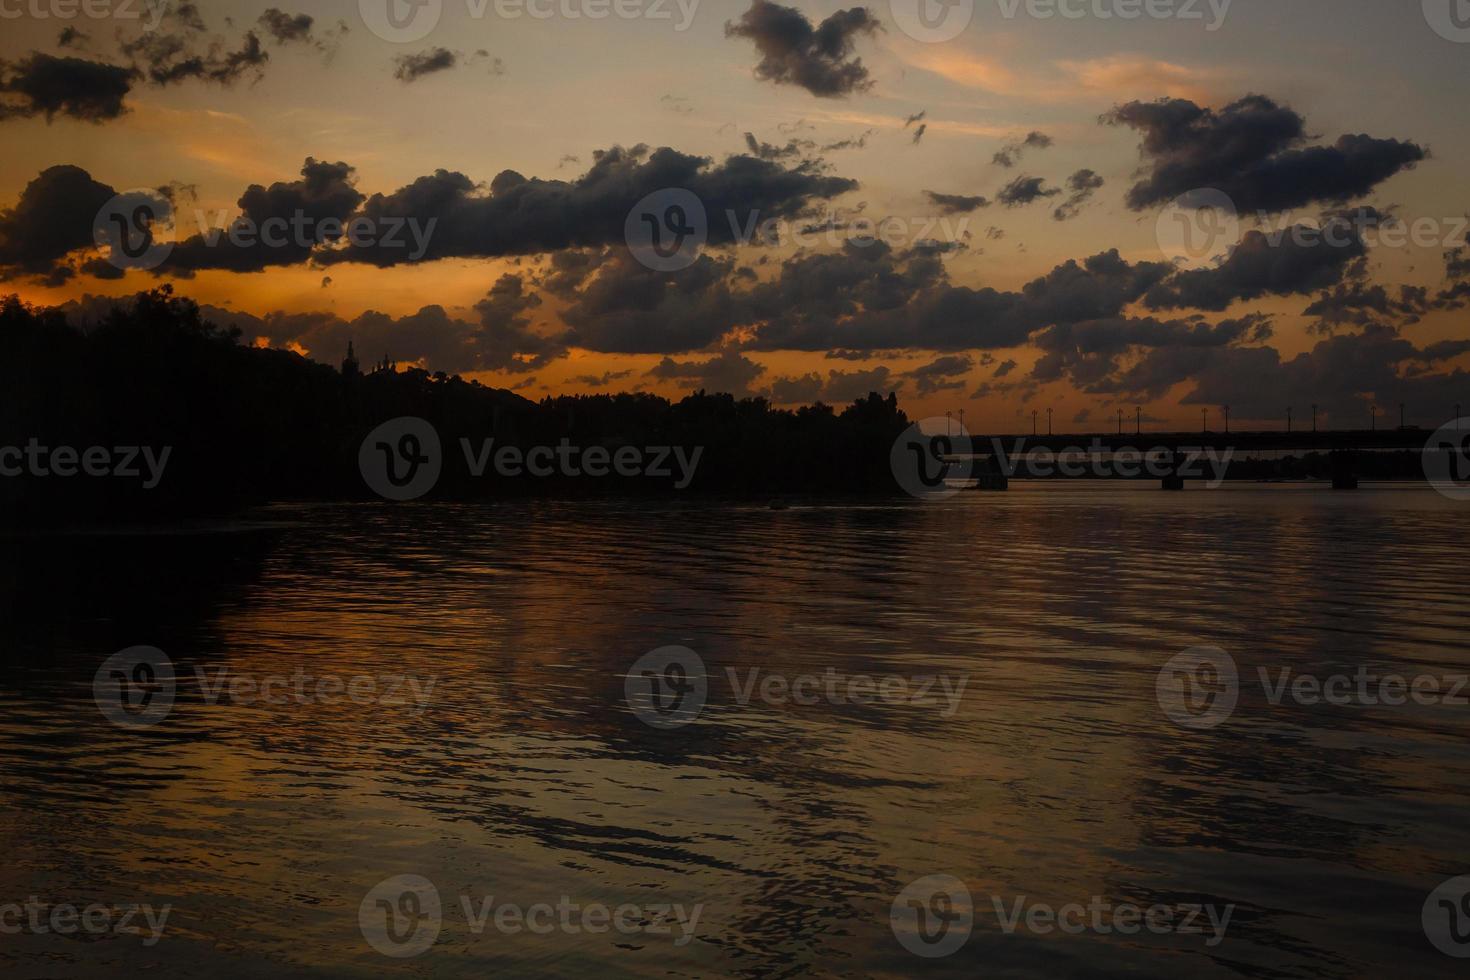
point(244, 425)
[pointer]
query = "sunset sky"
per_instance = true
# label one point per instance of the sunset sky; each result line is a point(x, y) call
point(530, 139)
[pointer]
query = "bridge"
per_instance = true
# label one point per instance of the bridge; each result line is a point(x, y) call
point(1175, 457)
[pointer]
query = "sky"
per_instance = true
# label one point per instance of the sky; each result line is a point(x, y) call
point(980, 210)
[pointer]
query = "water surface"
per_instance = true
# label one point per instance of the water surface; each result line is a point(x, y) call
point(528, 778)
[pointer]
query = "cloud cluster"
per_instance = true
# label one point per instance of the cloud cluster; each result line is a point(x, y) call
point(795, 52)
point(1254, 151)
point(525, 216)
point(1010, 154)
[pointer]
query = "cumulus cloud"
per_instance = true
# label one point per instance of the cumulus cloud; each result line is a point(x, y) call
point(308, 213)
point(77, 88)
point(525, 216)
point(53, 218)
point(1255, 151)
point(1343, 374)
point(795, 52)
point(501, 340)
point(1300, 259)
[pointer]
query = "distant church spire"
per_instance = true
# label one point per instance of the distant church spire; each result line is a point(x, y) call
point(350, 367)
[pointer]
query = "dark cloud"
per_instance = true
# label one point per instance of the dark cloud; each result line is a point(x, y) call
point(941, 374)
point(871, 298)
point(851, 143)
point(1358, 303)
point(956, 203)
point(1456, 292)
point(44, 85)
point(1010, 154)
point(1254, 151)
point(794, 52)
point(1344, 374)
point(836, 388)
point(1300, 259)
point(600, 380)
point(72, 38)
point(919, 133)
point(794, 149)
point(53, 218)
point(326, 192)
point(412, 67)
point(521, 216)
point(618, 305)
point(1080, 186)
point(919, 116)
point(1088, 353)
point(180, 50)
point(729, 373)
point(1025, 190)
point(286, 28)
point(501, 340)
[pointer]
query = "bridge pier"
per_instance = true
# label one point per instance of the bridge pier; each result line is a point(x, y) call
point(1173, 480)
point(990, 475)
point(1344, 466)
